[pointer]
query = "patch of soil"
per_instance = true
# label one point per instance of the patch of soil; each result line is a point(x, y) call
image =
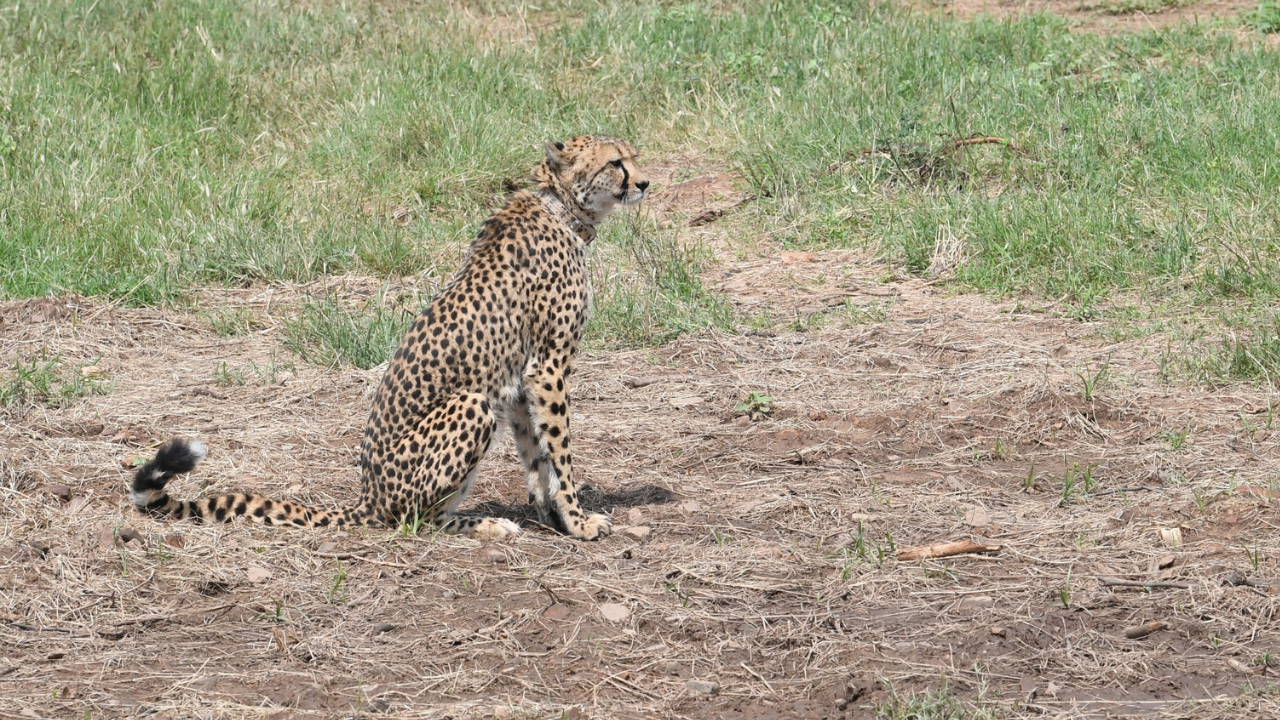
point(1088, 17)
point(757, 578)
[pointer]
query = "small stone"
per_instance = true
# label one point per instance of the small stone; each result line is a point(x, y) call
point(257, 574)
point(175, 540)
point(635, 517)
point(327, 547)
point(614, 612)
point(691, 506)
point(997, 630)
point(56, 655)
point(977, 517)
point(494, 555)
point(447, 595)
point(703, 687)
point(121, 537)
point(383, 628)
point(557, 612)
point(977, 602)
point(61, 492)
point(1165, 561)
point(789, 435)
point(502, 713)
point(636, 532)
point(1171, 536)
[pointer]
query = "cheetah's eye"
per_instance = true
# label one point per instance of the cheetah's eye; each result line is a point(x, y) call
point(617, 164)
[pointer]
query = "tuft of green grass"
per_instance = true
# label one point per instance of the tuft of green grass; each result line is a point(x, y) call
point(931, 705)
point(648, 288)
point(232, 322)
point(1266, 19)
point(328, 333)
point(1128, 7)
point(1248, 350)
point(46, 380)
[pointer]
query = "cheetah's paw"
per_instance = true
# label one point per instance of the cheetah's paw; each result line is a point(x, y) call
point(495, 529)
point(595, 527)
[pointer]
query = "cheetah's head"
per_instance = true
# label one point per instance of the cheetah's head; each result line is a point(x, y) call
point(594, 172)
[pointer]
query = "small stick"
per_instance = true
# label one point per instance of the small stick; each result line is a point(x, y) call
point(759, 677)
point(40, 628)
point(959, 547)
point(1120, 582)
point(1137, 632)
point(637, 383)
point(1133, 488)
point(555, 599)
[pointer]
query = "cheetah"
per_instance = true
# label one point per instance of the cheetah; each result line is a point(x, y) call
point(497, 344)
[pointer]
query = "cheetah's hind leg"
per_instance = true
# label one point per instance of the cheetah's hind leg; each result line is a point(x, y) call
point(445, 451)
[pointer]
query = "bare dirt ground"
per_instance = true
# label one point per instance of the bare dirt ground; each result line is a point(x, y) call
point(1093, 16)
point(754, 573)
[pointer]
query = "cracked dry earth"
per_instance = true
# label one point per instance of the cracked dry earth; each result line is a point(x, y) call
point(754, 571)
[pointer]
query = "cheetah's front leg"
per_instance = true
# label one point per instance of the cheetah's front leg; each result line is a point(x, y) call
point(550, 472)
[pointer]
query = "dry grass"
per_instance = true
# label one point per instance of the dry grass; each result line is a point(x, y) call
point(768, 568)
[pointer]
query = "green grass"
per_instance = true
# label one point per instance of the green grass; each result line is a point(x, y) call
point(648, 288)
point(1128, 7)
point(149, 147)
point(327, 332)
point(930, 705)
point(1266, 18)
point(47, 381)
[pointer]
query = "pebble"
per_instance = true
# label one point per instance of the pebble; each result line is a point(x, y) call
point(614, 612)
point(636, 532)
point(703, 687)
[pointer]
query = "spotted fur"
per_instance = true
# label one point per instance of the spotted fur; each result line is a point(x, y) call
point(497, 345)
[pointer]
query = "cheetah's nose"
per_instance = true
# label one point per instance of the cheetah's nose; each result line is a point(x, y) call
point(642, 185)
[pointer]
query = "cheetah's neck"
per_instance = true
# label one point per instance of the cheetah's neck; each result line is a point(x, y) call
point(583, 228)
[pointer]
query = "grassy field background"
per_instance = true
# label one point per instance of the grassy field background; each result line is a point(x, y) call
point(149, 147)
point(907, 275)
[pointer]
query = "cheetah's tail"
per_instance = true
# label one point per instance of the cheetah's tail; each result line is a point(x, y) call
point(147, 491)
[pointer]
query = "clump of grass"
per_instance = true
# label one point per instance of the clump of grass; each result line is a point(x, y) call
point(1266, 19)
point(655, 291)
point(1250, 354)
point(46, 381)
point(327, 333)
point(232, 322)
point(1128, 7)
point(268, 373)
point(930, 705)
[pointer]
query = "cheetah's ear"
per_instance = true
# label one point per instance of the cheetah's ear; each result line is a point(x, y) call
point(554, 150)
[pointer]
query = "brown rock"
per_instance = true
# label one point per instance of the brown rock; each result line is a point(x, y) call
point(636, 532)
